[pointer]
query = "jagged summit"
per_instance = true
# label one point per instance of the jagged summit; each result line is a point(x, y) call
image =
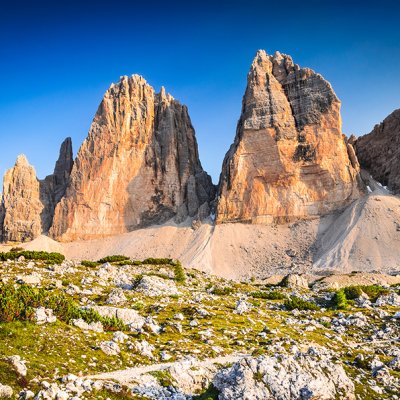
point(138, 166)
point(289, 159)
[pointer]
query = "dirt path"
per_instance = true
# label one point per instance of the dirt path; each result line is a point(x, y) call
point(125, 376)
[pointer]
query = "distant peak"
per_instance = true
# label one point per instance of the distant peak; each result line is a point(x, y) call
point(22, 161)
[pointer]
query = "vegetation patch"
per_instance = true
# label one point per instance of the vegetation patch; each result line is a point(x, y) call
point(111, 259)
point(55, 258)
point(300, 304)
point(274, 295)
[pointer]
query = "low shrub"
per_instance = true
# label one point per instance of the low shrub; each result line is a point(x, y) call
point(89, 264)
point(300, 304)
point(340, 300)
point(179, 273)
point(274, 295)
point(352, 292)
point(18, 304)
point(158, 261)
point(222, 291)
point(56, 258)
point(111, 259)
point(374, 291)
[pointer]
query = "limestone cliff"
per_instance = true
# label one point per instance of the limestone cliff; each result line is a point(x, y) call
point(138, 166)
point(379, 152)
point(21, 205)
point(289, 159)
point(28, 204)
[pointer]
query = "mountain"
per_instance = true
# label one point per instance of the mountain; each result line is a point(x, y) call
point(138, 166)
point(289, 159)
point(379, 152)
point(28, 204)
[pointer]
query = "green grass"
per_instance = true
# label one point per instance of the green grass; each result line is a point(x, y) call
point(340, 300)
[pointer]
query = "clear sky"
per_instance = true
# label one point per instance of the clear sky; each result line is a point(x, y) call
point(57, 59)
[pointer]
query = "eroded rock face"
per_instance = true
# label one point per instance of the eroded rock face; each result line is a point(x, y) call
point(28, 203)
point(138, 166)
point(289, 159)
point(21, 203)
point(379, 152)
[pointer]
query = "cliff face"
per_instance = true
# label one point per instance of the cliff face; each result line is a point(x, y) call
point(289, 159)
point(21, 203)
point(379, 152)
point(28, 204)
point(138, 166)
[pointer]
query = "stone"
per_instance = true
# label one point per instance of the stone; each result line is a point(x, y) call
point(156, 286)
point(128, 316)
point(138, 166)
point(6, 392)
point(120, 337)
point(44, 316)
point(18, 364)
point(93, 326)
point(242, 307)
point(144, 348)
point(379, 152)
point(289, 160)
point(110, 348)
point(282, 376)
point(116, 296)
point(295, 281)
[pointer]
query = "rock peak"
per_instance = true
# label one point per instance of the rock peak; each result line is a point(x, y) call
point(289, 159)
point(21, 161)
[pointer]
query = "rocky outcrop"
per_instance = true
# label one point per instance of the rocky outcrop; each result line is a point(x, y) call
point(379, 152)
point(28, 203)
point(309, 375)
point(138, 166)
point(22, 207)
point(289, 159)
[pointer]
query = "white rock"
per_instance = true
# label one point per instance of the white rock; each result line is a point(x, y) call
point(44, 316)
point(156, 286)
point(120, 337)
point(110, 348)
point(93, 326)
point(242, 307)
point(6, 391)
point(144, 348)
point(116, 296)
point(18, 365)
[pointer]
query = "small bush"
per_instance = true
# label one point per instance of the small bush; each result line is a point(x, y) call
point(89, 264)
point(300, 304)
point(374, 291)
point(158, 261)
point(211, 393)
point(179, 273)
point(18, 304)
point(274, 295)
point(352, 292)
point(222, 291)
point(111, 259)
point(340, 300)
point(56, 258)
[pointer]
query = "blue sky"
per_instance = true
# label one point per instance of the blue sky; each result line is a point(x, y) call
point(58, 58)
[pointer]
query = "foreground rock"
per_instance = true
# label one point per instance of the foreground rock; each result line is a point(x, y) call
point(138, 166)
point(379, 152)
point(289, 159)
point(310, 375)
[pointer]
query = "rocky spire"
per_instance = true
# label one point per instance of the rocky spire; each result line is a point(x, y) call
point(289, 159)
point(138, 166)
point(379, 152)
point(21, 204)
point(27, 205)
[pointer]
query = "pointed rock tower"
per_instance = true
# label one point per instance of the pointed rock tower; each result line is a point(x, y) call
point(289, 159)
point(27, 204)
point(379, 152)
point(138, 166)
point(21, 204)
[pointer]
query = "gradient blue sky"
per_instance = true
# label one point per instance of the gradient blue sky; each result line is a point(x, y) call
point(58, 58)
